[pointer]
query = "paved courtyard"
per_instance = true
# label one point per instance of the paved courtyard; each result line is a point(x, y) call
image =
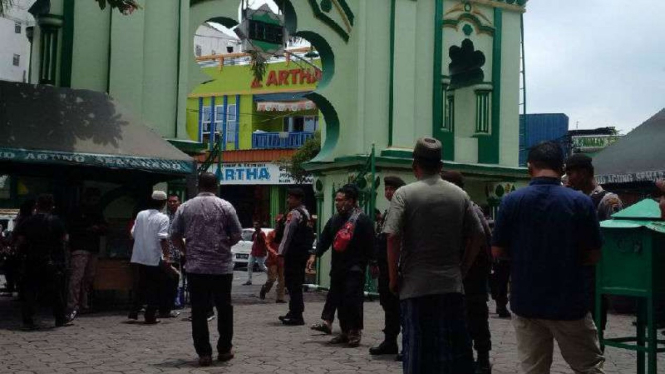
point(104, 342)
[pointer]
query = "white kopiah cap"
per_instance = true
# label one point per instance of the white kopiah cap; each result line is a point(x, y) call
point(159, 195)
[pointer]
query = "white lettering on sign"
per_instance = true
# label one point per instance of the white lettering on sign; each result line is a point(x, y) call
point(93, 160)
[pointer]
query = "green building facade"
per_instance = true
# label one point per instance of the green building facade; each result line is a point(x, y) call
point(392, 71)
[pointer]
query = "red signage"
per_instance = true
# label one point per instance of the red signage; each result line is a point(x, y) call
point(289, 77)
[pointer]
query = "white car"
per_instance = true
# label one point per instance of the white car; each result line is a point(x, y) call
point(243, 248)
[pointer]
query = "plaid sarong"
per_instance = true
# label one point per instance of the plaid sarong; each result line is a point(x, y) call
point(435, 339)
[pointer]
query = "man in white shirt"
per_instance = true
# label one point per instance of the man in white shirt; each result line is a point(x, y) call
point(151, 250)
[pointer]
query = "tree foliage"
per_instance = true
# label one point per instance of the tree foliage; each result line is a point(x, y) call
point(5, 5)
point(294, 164)
point(123, 6)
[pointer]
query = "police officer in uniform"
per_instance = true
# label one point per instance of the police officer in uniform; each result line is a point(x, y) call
point(295, 245)
point(580, 173)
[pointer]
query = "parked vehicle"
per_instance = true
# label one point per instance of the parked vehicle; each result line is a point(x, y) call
point(243, 248)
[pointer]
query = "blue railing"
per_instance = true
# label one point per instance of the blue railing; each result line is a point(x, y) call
point(277, 140)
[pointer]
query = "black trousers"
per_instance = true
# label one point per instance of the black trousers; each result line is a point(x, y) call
point(348, 291)
point(477, 317)
point(147, 289)
point(11, 268)
point(294, 277)
point(202, 289)
point(390, 303)
point(43, 281)
point(499, 283)
point(329, 308)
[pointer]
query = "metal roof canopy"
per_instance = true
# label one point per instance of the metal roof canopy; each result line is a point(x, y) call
point(638, 156)
point(46, 130)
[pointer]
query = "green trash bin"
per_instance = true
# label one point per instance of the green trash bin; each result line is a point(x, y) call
point(633, 264)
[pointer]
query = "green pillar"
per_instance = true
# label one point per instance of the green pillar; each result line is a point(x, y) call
point(277, 203)
point(488, 146)
point(49, 27)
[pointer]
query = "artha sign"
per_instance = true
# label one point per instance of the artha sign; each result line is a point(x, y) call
point(253, 174)
point(286, 77)
point(86, 159)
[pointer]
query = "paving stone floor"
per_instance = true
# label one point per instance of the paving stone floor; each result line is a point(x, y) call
point(104, 342)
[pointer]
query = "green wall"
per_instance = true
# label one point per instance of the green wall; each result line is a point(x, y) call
point(133, 58)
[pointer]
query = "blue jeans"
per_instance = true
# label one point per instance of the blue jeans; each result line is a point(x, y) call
point(261, 261)
point(435, 339)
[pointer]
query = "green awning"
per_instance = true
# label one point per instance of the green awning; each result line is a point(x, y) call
point(646, 214)
point(43, 125)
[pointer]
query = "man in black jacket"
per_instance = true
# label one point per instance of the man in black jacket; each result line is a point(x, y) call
point(351, 234)
point(296, 242)
point(388, 300)
point(41, 239)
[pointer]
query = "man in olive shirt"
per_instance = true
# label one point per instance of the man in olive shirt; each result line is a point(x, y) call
point(430, 222)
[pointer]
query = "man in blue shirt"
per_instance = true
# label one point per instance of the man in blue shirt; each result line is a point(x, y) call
point(551, 235)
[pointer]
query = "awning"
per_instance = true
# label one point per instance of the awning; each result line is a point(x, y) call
point(282, 96)
point(639, 156)
point(275, 106)
point(45, 126)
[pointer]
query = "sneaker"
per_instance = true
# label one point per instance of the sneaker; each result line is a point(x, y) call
point(322, 327)
point(223, 357)
point(152, 321)
point(399, 357)
point(483, 368)
point(503, 313)
point(385, 348)
point(248, 283)
point(29, 327)
point(354, 339)
point(171, 314)
point(293, 321)
point(340, 339)
point(67, 321)
point(280, 301)
point(205, 360)
point(133, 316)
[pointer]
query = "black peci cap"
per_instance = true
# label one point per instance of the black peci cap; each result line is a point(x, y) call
point(393, 181)
point(454, 177)
point(296, 192)
point(579, 161)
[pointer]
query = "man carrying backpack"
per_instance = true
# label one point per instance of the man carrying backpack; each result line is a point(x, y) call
point(351, 234)
point(296, 243)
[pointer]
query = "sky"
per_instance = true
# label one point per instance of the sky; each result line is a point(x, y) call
point(601, 62)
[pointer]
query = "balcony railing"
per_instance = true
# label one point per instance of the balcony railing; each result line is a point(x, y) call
point(280, 140)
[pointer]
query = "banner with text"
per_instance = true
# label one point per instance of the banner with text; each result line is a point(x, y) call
point(98, 160)
point(255, 173)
